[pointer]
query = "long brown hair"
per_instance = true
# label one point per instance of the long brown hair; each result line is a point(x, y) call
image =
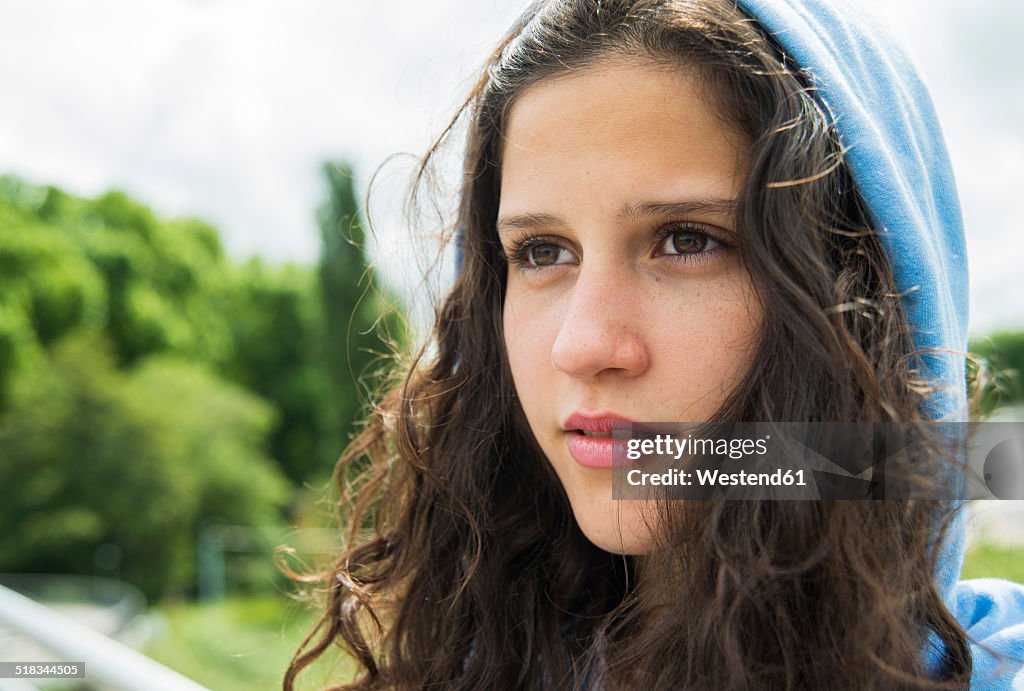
point(464, 567)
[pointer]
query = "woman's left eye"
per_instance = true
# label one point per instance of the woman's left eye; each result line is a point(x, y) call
point(685, 240)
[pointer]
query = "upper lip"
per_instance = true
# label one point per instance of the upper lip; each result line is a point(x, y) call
point(597, 422)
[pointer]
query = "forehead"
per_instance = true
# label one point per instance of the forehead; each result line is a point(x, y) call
point(618, 128)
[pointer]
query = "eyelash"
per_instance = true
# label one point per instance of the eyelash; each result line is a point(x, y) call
point(518, 254)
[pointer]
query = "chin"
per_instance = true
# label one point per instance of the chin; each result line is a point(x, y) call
point(623, 532)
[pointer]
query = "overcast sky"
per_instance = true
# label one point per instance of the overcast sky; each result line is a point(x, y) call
point(223, 109)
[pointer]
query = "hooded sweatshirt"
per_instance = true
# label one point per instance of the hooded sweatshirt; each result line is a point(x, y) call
point(898, 159)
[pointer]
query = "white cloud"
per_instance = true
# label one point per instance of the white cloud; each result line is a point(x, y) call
point(224, 109)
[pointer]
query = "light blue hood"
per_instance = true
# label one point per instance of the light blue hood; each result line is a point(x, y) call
point(898, 159)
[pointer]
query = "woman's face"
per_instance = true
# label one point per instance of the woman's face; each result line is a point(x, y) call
point(626, 298)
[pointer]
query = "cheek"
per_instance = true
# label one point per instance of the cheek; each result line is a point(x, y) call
point(702, 346)
point(530, 328)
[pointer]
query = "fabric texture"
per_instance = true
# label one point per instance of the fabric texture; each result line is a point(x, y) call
point(897, 155)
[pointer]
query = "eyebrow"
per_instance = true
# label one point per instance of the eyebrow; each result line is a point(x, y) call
point(529, 222)
point(635, 212)
point(629, 212)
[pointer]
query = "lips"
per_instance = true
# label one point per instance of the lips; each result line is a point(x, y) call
point(589, 437)
point(601, 424)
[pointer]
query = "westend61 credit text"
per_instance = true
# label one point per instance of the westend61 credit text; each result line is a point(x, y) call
point(676, 477)
point(818, 460)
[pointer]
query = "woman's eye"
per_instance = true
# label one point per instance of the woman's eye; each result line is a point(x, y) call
point(546, 254)
point(688, 241)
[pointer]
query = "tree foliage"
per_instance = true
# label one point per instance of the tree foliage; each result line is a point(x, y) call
point(148, 384)
point(361, 325)
point(135, 458)
point(999, 368)
point(277, 332)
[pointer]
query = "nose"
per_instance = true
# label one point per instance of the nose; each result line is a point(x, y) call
point(602, 329)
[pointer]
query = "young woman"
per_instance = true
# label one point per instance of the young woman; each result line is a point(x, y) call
point(691, 211)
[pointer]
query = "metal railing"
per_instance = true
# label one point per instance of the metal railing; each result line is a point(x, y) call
point(106, 661)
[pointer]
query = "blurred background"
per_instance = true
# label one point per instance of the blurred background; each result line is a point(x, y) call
point(189, 288)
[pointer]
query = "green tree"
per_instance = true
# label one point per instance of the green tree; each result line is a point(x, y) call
point(118, 423)
point(360, 326)
point(48, 287)
point(148, 384)
point(109, 263)
point(94, 455)
point(274, 315)
point(1001, 360)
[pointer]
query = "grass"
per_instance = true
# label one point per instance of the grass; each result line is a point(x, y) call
point(241, 644)
point(991, 561)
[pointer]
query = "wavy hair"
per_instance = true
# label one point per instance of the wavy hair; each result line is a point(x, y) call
point(464, 567)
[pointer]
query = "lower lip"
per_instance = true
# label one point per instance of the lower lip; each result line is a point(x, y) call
point(592, 452)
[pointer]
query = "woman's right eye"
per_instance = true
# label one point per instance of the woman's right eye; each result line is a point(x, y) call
point(537, 253)
point(546, 254)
